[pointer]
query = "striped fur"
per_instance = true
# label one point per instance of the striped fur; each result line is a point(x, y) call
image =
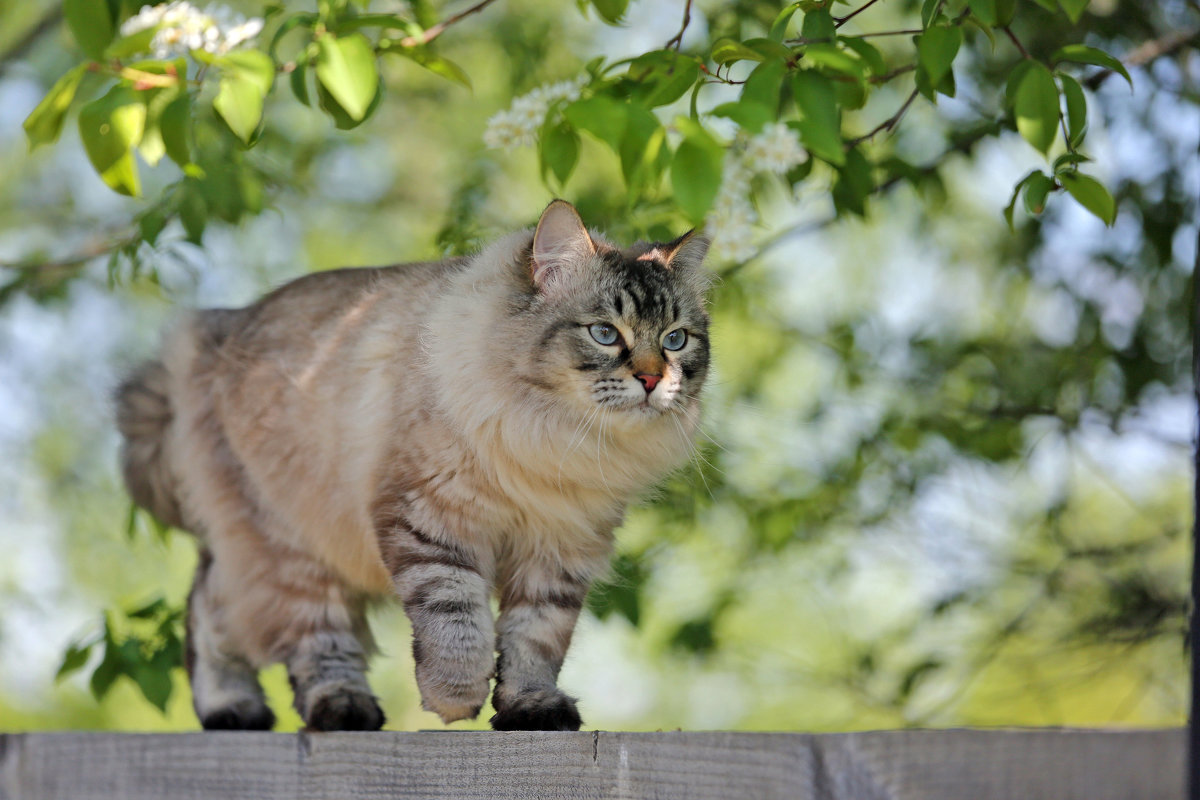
point(443, 432)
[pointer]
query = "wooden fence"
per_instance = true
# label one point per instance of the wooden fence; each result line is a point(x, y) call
point(886, 765)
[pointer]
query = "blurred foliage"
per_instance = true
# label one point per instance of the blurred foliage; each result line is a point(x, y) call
point(939, 484)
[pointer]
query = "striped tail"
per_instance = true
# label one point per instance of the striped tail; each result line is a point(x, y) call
point(143, 414)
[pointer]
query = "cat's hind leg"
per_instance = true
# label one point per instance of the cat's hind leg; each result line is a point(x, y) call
point(327, 669)
point(225, 689)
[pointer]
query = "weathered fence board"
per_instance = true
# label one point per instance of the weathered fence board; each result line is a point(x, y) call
point(885, 765)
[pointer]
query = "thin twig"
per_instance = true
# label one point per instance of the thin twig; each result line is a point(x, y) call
point(438, 29)
point(888, 124)
point(840, 21)
point(676, 41)
point(1020, 47)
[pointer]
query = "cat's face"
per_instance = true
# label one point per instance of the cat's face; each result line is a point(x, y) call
point(621, 331)
point(639, 342)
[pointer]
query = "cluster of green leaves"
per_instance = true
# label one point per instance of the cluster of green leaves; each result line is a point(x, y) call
point(159, 108)
point(813, 76)
point(144, 645)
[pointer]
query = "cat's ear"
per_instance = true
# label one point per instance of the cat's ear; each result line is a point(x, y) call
point(559, 244)
point(688, 250)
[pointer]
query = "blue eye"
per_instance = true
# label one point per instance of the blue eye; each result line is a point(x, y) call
point(675, 340)
point(603, 333)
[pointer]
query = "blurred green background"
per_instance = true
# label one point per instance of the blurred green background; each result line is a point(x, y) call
point(945, 472)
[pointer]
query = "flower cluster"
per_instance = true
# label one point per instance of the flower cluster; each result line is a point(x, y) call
point(179, 28)
point(519, 124)
point(731, 221)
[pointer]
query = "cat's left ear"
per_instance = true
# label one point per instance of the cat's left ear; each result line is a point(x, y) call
point(688, 250)
point(560, 243)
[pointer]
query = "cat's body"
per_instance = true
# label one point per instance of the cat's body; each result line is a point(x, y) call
point(446, 432)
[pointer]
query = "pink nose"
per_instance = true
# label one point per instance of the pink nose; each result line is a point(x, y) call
point(648, 381)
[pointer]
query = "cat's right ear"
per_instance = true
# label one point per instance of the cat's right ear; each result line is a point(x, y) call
point(559, 244)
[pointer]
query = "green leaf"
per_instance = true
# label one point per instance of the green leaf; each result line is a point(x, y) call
point(438, 65)
point(1082, 54)
point(253, 65)
point(929, 12)
point(240, 103)
point(750, 116)
point(125, 46)
point(1036, 190)
point(642, 151)
point(820, 123)
point(662, 77)
point(346, 68)
point(696, 173)
point(152, 147)
point(193, 211)
point(760, 95)
point(1091, 194)
point(1068, 161)
point(155, 682)
point(150, 225)
point(44, 123)
point(110, 128)
point(1005, 11)
point(246, 78)
point(1016, 192)
point(174, 125)
point(341, 119)
point(854, 184)
point(728, 51)
point(984, 11)
point(91, 23)
point(73, 660)
point(1049, 5)
point(833, 59)
point(1074, 8)
point(299, 82)
point(149, 610)
point(1076, 109)
point(611, 10)
point(818, 25)
point(779, 27)
point(558, 148)
point(1036, 107)
point(936, 49)
point(111, 666)
point(868, 52)
point(601, 116)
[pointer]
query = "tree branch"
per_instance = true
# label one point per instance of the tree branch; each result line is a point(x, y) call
point(888, 124)
point(675, 41)
point(438, 29)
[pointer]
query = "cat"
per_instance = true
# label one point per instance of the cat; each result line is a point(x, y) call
point(444, 432)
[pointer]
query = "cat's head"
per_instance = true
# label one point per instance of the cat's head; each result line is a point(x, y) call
point(622, 330)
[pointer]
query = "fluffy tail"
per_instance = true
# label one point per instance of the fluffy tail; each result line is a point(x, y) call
point(143, 414)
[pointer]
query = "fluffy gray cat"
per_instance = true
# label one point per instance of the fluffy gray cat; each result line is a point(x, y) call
point(442, 431)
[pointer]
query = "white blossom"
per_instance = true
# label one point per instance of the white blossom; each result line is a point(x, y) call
point(519, 124)
point(179, 28)
point(775, 149)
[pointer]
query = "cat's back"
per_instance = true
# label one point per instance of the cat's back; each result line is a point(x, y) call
point(302, 313)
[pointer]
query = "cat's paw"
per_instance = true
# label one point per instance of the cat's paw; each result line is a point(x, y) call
point(463, 702)
point(345, 711)
point(540, 710)
point(244, 715)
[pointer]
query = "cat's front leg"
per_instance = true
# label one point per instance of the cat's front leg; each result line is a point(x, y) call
point(538, 611)
point(445, 596)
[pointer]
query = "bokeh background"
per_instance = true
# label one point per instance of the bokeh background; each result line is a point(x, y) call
point(945, 474)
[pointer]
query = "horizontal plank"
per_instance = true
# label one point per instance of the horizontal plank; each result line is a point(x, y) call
point(883, 765)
